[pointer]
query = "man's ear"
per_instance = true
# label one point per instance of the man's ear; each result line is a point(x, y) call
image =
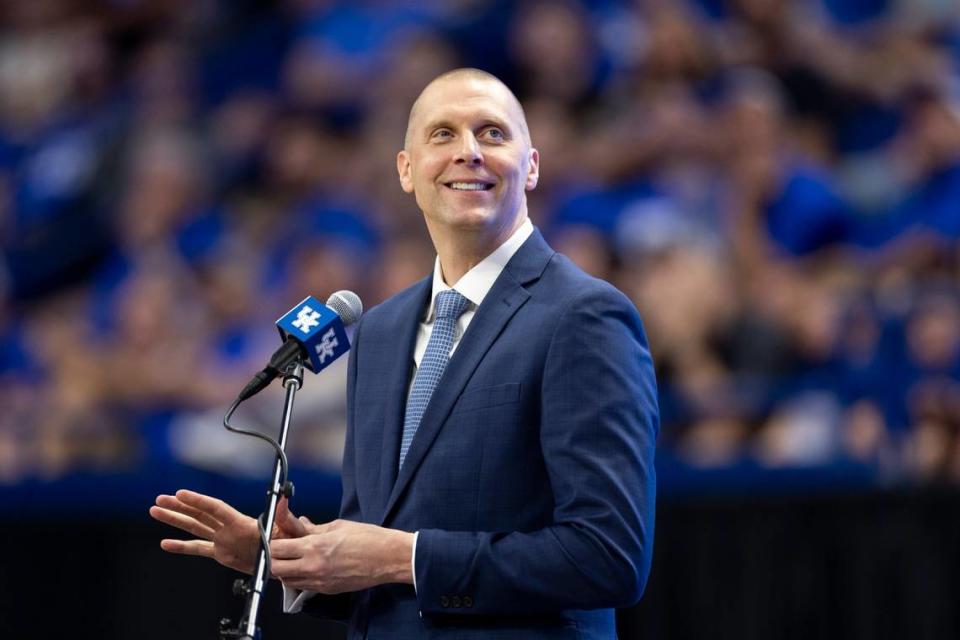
point(533, 171)
point(403, 168)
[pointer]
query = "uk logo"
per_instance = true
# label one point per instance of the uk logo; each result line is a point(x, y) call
point(327, 345)
point(307, 319)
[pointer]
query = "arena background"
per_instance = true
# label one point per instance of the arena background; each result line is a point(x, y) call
point(775, 183)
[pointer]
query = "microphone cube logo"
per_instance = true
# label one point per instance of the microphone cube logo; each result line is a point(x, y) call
point(318, 329)
point(307, 319)
point(327, 346)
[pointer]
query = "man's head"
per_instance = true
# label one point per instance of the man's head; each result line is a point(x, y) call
point(467, 156)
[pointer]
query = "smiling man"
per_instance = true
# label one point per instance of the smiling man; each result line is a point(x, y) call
point(468, 160)
point(498, 472)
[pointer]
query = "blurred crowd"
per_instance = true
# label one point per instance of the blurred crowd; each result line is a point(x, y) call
point(775, 183)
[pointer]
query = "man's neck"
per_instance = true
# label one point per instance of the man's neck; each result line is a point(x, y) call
point(459, 251)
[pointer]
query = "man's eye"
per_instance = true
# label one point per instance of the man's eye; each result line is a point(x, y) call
point(494, 134)
point(441, 134)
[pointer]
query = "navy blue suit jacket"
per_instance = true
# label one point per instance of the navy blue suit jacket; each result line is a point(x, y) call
point(531, 476)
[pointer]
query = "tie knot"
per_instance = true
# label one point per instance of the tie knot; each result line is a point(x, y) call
point(450, 304)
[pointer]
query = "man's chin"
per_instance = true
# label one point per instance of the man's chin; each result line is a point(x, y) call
point(472, 219)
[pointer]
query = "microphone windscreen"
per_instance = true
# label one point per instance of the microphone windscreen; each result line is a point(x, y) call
point(347, 305)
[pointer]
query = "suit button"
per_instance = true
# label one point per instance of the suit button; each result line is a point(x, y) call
point(467, 601)
point(444, 601)
point(456, 602)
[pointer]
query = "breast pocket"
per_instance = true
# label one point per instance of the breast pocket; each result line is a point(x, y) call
point(485, 397)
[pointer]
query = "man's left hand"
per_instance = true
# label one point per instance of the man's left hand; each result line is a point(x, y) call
point(343, 556)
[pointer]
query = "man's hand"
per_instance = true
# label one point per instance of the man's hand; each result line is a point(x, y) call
point(226, 535)
point(343, 556)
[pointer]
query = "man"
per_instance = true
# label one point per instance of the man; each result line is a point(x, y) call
point(498, 471)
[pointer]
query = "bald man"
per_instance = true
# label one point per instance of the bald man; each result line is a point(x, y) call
point(498, 475)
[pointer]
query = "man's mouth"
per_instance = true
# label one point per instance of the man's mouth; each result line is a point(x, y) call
point(470, 186)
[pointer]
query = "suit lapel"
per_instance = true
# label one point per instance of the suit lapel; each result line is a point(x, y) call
point(400, 337)
point(504, 299)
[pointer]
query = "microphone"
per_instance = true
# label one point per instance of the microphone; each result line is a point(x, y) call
point(313, 334)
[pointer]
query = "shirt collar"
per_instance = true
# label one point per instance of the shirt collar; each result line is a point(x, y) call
point(476, 283)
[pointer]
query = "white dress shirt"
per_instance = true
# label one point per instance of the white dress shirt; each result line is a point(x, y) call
point(474, 286)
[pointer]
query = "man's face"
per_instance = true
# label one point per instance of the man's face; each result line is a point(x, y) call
point(468, 161)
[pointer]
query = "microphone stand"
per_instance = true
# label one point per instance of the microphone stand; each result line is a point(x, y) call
point(254, 587)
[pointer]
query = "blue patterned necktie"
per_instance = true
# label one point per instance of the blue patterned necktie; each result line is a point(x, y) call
point(449, 306)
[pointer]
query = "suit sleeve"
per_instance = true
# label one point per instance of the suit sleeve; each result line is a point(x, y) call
point(338, 607)
point(599, 422)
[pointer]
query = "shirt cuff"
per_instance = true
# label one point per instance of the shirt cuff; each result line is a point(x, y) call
point(413, 560)
point(294, 599)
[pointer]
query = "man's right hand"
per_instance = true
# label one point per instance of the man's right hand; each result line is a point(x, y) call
point(224, 534)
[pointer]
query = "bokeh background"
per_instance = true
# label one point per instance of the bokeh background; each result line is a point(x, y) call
point(775, 183)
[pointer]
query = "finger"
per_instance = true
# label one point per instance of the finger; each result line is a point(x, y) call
point(287, 522)
point(291, 549)
point(182, 522)
point(303, 584)
point(173, 504)
point(287, 569)
point(217, 508)
point(306, 521)
point(311, 583)
point(202, 548)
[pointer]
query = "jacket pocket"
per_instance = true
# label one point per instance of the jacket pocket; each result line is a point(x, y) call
point(473, 399)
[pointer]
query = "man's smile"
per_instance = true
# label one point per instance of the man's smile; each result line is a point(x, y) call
point(469, 186)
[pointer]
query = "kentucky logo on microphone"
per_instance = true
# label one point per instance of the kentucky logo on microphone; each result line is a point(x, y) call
point(318, 329)
point(327, 345)
point(307, 318)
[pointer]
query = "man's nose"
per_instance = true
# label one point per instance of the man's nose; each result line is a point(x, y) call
point(469, 151)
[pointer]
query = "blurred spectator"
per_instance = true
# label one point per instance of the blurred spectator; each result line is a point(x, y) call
point(555, 52)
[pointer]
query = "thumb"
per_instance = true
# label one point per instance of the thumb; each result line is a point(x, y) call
point(287, 522)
